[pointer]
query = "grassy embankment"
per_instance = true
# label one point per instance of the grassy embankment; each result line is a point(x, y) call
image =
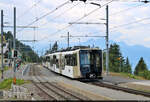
point(6, 83)
point(125, 75)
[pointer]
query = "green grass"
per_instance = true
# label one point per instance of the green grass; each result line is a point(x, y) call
point(6, 68)
point(132, 76)
point(127, 75)
point(6, 84)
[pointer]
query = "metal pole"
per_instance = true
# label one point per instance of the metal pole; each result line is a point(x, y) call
point(68, 39)
point(79, 41)
point(50, 47)
point(37, 57)
point(107, 41)
point(2, 44)
point(14, 44)
point(102, 63)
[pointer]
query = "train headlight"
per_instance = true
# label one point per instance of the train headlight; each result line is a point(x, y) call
point(92, 76)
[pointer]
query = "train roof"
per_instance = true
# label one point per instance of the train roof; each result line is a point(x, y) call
point(72, 50)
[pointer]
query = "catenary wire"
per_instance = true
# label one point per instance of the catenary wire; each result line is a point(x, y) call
point(78, 19)
point(137, 21)
point(62, 13)
point(127, 9)
point(28, 10)
point(48, 13)
point(127, 24)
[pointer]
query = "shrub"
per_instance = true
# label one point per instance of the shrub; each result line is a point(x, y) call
point(145, 74)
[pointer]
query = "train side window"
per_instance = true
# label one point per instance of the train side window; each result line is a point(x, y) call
point(54, 56)
point(67, 60)
point(48, 59)
point(63, 62)
point(75, 59)
point(51, 62)
point(57, 63)
point(54, 59)
point(71, 60)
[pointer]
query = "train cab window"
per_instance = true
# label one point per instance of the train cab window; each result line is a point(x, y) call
point(85, 58)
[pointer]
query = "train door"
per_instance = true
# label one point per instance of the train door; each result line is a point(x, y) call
point(96, 62)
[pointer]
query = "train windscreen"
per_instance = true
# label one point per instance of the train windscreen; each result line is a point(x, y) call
point(90, 57)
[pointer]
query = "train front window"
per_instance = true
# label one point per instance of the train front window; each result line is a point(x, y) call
point(90, 58)
point(85, 58)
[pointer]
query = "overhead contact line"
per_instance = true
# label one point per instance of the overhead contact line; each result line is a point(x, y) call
point(48, 13)
point(28, 10)
point(79, 19)
point(137, 21)
point(63, 13)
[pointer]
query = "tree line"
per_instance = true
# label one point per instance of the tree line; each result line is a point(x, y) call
point(117, 63)
point(27, 53)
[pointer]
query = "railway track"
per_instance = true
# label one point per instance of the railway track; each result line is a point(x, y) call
point(32, 72)
point(43, 91)
point(116, 87)
point(53, 91)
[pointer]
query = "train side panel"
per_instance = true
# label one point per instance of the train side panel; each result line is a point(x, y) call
point(68, 71)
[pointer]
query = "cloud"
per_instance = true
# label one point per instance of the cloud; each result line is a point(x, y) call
point(136, 34)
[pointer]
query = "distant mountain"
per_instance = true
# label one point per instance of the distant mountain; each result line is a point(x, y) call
point(135, 52)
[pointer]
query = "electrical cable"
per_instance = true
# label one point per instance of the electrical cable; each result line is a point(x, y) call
point(79, 19)
point(27, 11)
point(127, 24)
point(48, 13)
point(124, 10)
point(137, 21)
point(62, 13)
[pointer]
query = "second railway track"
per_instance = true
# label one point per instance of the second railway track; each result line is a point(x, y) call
point(52, 90)
point(116, 87)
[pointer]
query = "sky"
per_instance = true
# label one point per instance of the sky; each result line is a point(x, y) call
point(129, 22)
